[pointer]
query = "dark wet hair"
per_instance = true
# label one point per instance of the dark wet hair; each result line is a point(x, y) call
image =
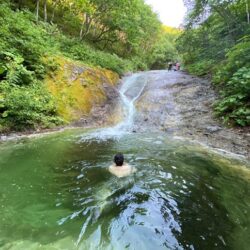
point(119, 159)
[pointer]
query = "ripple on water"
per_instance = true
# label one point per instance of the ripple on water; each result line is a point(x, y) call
point(58, 194)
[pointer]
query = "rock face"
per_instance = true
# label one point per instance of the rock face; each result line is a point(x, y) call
point(79, 89)
point(181, 105)
point(101, 113)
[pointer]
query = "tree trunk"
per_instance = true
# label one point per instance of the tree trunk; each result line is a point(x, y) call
point(54, 4)
point(45, 11)
point(81, 31)
point(87, 23)
point(247, 11)
point(37, 10)
point(53, 15)
point(101, 34)
point(20, 4)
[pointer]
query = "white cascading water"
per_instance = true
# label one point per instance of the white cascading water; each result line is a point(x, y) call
point(135, 85)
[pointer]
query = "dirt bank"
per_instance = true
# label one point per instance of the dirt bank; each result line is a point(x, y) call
point(180, 104)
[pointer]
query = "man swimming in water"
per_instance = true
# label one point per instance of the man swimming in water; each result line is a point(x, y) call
point(119, 168)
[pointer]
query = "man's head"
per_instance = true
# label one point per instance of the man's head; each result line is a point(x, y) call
point(119, 159)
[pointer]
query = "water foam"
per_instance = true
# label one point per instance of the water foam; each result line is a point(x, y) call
point(130, 91)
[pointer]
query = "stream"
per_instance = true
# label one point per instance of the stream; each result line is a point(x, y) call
point(56, 191)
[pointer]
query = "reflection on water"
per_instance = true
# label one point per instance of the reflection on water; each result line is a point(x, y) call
point(56, 193)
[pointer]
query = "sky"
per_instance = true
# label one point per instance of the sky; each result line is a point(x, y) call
point(171, 12)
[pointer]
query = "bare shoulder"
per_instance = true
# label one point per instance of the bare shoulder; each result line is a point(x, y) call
point(129, 168)
point(122, 171)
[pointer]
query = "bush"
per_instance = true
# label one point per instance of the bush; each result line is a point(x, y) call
point(13, 70)
point(22, 38)
point(201, 68)
point(26, 107)
point(234, 106)
point(81, 51)
point(233, 78)
point(236, 58)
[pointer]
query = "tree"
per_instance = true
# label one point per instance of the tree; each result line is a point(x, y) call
point(247, 11)
point(45, 11)
point(37, 10)
point(216, 42)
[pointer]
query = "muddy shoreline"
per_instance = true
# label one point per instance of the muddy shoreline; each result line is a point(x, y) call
point(173, 102)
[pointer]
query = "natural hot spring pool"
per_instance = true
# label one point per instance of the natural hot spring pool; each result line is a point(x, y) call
point(56, 193)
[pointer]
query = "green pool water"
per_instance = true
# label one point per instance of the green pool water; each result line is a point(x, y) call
point(56, 193)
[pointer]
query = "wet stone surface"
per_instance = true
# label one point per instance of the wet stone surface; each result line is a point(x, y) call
point(180, 104)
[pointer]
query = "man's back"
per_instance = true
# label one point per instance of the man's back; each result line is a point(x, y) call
point(121, 171)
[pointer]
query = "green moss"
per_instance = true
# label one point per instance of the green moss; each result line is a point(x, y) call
point(77, 87)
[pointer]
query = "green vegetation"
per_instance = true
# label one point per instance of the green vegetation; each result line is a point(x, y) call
point(119, 35)
point(25, 103)
point(27, 107)
point(216, 41)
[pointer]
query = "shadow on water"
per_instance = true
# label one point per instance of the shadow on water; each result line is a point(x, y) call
point(56, 193)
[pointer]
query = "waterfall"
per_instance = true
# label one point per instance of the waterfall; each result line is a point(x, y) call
point(130, 91)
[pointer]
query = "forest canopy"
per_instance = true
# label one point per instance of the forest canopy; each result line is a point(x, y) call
point(127, 28)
